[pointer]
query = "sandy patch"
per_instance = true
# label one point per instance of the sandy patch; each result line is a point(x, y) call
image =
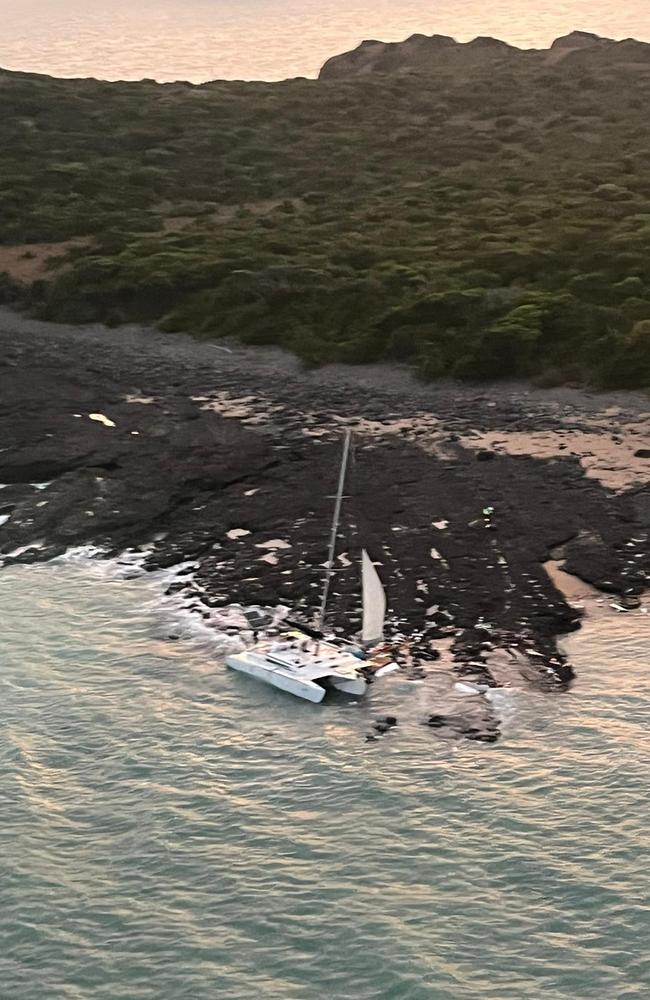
point(422, 429)
point(29, 261)
point(228, 406)
point(574, 590)
point(612, 463)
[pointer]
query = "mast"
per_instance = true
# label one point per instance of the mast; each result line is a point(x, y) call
point(335, 528)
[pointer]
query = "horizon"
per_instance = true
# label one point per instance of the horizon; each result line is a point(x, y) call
point(264, 40)
point(458, 41)
point(540, 48)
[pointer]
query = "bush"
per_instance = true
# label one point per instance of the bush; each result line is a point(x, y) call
point(486, 224)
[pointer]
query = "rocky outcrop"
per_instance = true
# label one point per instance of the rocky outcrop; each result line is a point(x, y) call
point(227, 459)
point(580, 40)
point(421, 53)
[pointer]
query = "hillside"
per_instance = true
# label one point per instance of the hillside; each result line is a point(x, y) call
point(482, 219)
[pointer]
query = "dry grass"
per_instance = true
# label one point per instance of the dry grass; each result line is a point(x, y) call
point(27, 262)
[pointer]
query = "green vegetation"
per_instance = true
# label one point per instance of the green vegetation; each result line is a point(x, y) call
point(490, 225)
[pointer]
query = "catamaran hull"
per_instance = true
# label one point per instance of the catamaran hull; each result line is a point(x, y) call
point(354, 686)
point(308, 690)
point(307, 668)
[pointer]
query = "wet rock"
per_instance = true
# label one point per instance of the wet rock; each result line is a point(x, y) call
point(189, 475)
point(485, 737)
point(436, 721)
point(383, 725)
point(481, 727)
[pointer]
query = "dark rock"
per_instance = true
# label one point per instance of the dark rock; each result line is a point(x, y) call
point(484, 737)
point(180, 484)
point(383, 725)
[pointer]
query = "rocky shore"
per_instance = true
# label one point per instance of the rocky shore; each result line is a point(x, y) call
point(227, 457)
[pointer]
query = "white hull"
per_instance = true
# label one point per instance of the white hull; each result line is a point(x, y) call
point(247, 663)
point(356, 686)
point(305, 673)
point(304, 667)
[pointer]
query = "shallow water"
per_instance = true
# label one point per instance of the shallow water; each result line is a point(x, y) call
point(270, 39)
point(171, 829)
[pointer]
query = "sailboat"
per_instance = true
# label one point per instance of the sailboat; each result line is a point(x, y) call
point(303, 662)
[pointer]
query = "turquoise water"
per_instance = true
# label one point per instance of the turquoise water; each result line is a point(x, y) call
point(173, 830)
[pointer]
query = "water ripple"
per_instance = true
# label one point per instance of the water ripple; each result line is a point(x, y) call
point(270, 39)
point(173, 830)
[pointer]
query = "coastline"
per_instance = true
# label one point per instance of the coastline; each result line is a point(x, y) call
point(199, 441)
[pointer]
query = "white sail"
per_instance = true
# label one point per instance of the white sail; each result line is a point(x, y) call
point(374, 601)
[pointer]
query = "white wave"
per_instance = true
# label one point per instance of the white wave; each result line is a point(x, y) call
point(181, 615)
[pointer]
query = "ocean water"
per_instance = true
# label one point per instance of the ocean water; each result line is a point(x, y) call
point(270, 39)
point(170, 829)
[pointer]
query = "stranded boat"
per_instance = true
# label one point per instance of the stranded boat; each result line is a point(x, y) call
point(304, 663)
point(302, 666)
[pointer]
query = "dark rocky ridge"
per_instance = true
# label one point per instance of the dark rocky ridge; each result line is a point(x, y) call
point(177, 476)
point(420, 53)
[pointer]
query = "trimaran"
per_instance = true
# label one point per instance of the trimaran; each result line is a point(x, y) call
point(303, 662)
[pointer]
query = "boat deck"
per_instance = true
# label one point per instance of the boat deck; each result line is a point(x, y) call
point(301, 669)
point(310, 665)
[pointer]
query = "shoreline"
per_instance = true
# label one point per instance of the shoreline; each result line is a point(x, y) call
point(198, 441)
